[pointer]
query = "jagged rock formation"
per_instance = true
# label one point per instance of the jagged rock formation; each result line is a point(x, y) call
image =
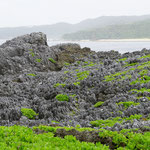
point(30, 79)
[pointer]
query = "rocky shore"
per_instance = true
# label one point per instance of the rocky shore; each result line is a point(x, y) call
point(69, 86)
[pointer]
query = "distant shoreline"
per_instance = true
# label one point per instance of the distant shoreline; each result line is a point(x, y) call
point(117, 40)
point(102, 40)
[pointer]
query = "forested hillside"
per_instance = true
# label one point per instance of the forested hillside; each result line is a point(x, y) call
point(124, 31)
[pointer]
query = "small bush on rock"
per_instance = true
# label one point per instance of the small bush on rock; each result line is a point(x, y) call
point(52, 60)
point(98, 104)
point(62, 97)
point(29, 113)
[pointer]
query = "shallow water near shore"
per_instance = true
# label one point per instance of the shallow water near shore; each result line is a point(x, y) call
point(122, 47)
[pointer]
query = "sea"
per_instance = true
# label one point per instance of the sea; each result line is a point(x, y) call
point(121, 46)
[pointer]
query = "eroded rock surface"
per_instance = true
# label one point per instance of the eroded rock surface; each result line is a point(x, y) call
point(32, 74)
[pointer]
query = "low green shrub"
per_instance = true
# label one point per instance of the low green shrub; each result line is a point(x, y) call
point(59, 84)
point(128, 104)
point(38, 60)
point(111, 121)
point(98, 104)
point(31, 74)
point(83, 75)
point(24, 138)
point(52, 60)
point(76, 83)
point(62, 97)
point(29, 113)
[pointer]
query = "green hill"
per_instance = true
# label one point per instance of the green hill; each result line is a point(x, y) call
point(56, 31)
point(125, 31)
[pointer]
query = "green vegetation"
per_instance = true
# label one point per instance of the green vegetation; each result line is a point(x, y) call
point(76, 83)
point(98, 104)
point(111, 122)
point(82, 75)
point(91, 64)
point(32, 54)
point(142, 90)
point(128, 140)
point(122, 59)
point(65, 72)
point(146, 56)
point(52, 60)
point(142, 80)
point(143, 72)
point(122, 75)
point(24, 138)
point(126, 31)
point(38, 60)
point(74, 95)
point(67, 64)
point(131, 64)
point(59, 84)
point(31, 74)
point(53, 121)
point(128, 104)
point(29, 113)
point(62, 97)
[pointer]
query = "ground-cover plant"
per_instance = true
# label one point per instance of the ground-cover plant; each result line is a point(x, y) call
point(53, 121)
point(31, 74)
point(143, 72)
point(32, 54)
point(128, 104)
point(122, 75)
point(29, 113)
point(62, 97)
point(59, 84)
point(52, 60)
point(98, 104)
point(130, 64)
point(142, 80)
point(91, 64)
point(82, 75)
point(126, 139)
point(122, 59)
point(65, 72)
point(67, 64)
point(146, 56)
point(76, 83)
point(23, 138)
point(38, 60)
point(111, 121)
point(142, 90)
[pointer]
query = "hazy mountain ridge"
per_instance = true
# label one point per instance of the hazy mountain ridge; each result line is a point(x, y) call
point(56, 31)
point(137, 30)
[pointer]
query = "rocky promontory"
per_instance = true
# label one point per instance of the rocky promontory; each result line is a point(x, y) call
point(66, 85)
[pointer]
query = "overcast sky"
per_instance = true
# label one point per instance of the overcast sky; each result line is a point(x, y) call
point(39, 12)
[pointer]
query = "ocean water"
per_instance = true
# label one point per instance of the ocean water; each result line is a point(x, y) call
point(122, 47)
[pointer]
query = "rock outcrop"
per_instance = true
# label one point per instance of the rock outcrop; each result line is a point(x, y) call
point(32, 74)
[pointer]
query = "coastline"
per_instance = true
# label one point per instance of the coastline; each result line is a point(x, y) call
point(101, 40)
point(117, 40)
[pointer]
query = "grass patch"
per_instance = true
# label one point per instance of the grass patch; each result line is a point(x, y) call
point(82, 75)
point(59, 84)
point(128, 104)
point(52, 60)
point(31, 74)
point(98, 104)
point(62, 97)
point(38, 60)
point(29, 113)
point(111, 122)
point(76, 83)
